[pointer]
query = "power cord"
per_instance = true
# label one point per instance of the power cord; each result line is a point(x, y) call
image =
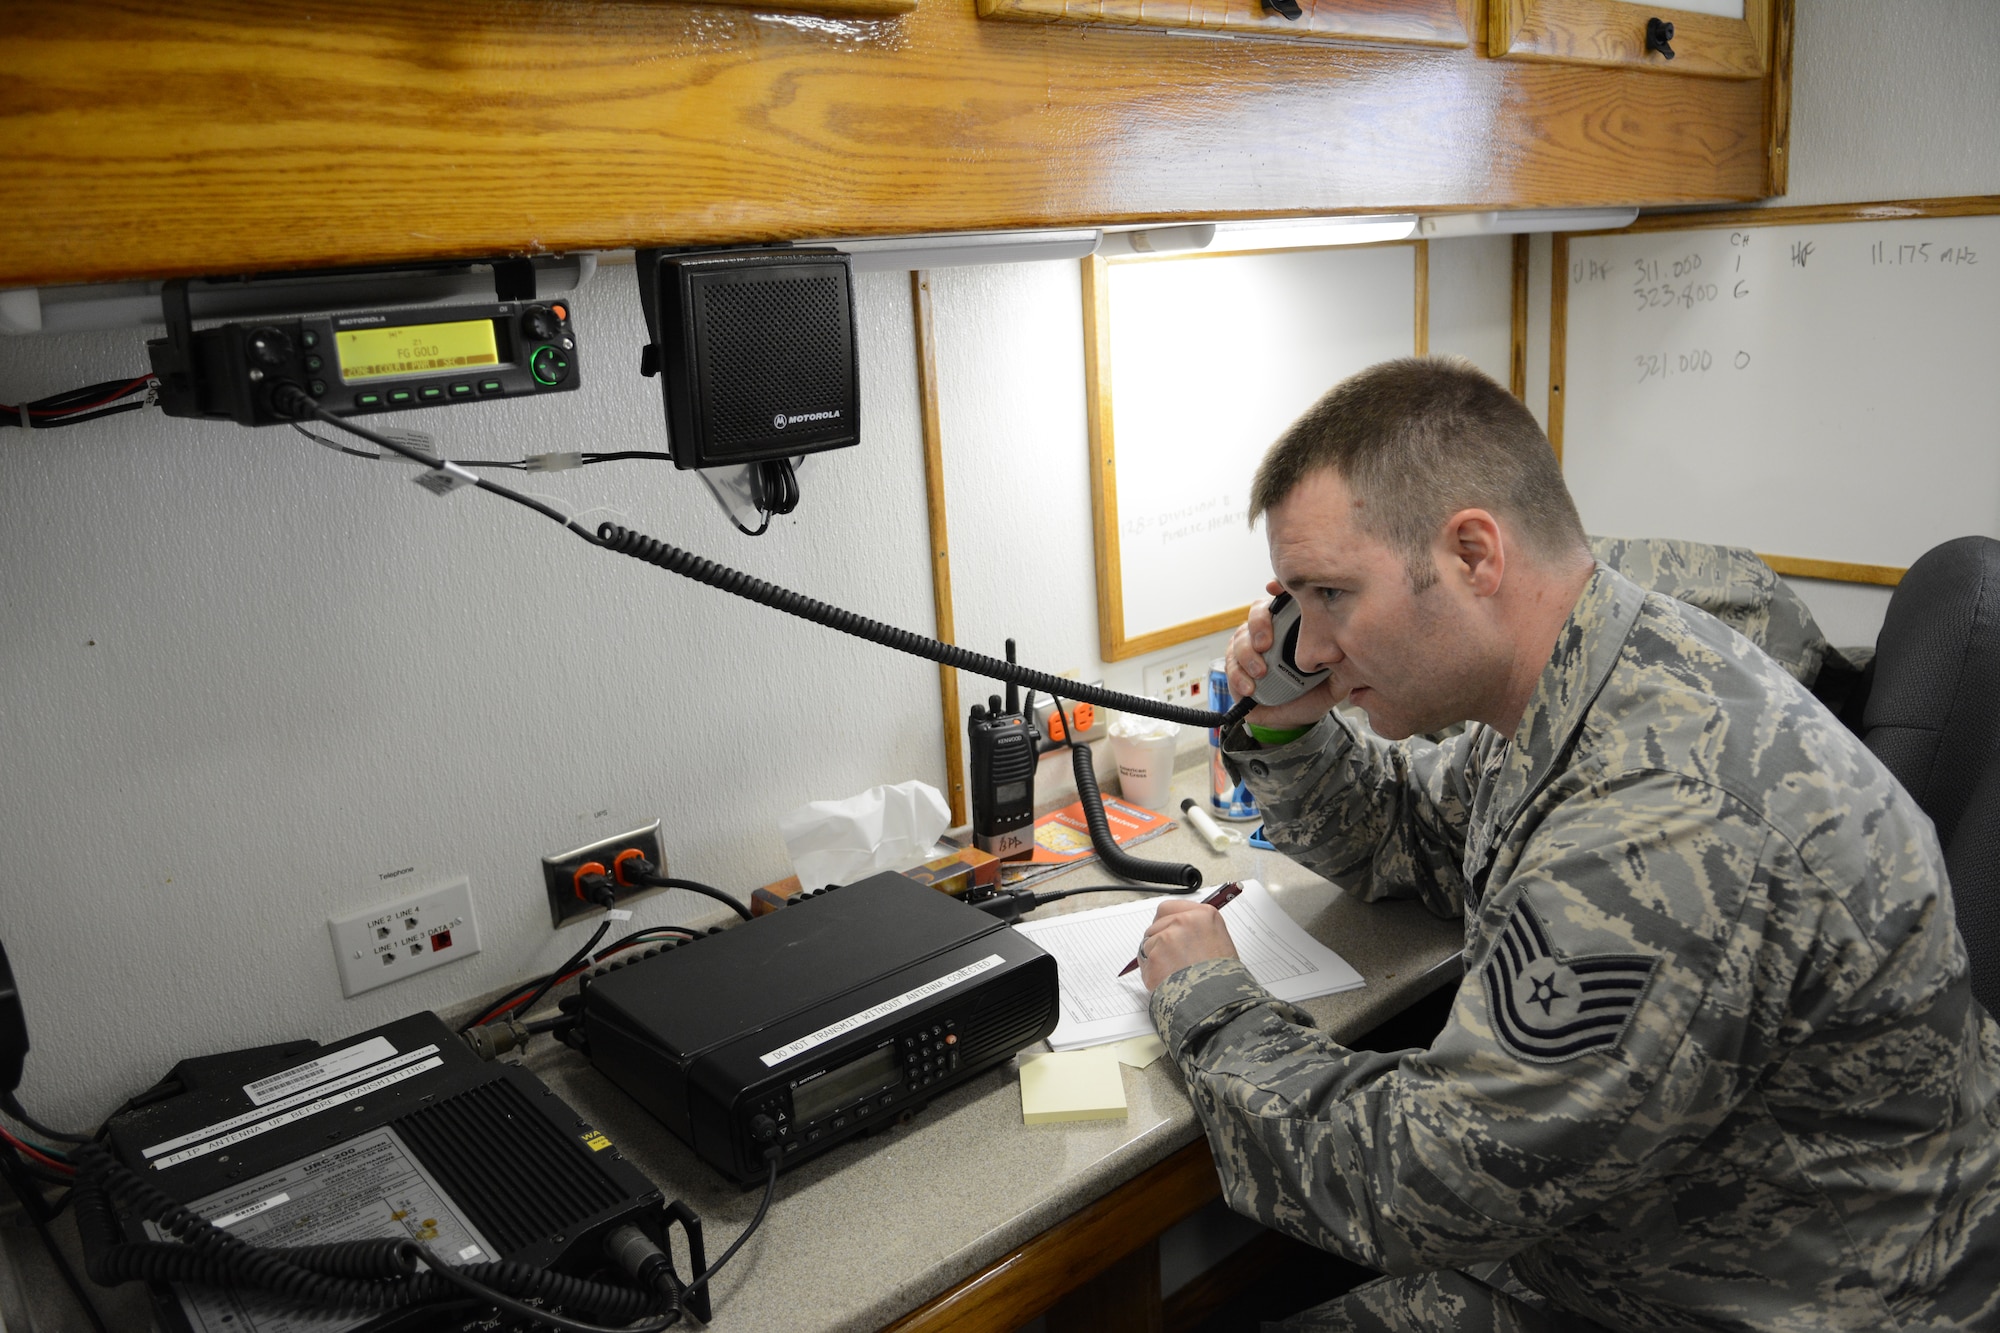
point(512, 1000)
point(293, 401)
point(90, 403)
point(527, 1006)
point(633, 871)
point(27, 1189)
point(700, 1284)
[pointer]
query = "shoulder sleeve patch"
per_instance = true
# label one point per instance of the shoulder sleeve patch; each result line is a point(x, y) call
point(1548, 1007)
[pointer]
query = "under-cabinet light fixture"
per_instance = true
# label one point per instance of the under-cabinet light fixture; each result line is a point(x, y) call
point(892, 253)
point(1157, 240)
point(1446, 225)
point(1311, 233)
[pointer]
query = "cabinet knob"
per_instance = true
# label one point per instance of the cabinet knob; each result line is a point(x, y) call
point(1288, 8)
point(1660, 37)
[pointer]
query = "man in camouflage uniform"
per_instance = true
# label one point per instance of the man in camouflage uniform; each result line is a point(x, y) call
point(1715, 1063)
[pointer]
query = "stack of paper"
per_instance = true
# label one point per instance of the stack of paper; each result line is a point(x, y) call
point(1091, 947)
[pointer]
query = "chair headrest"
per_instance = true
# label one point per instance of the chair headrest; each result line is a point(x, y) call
point(1933, 715)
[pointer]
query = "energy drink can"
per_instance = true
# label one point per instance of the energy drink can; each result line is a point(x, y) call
point(1227, 798)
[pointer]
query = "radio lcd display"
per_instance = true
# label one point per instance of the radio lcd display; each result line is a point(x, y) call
point(416, 349)
point(859, 1078)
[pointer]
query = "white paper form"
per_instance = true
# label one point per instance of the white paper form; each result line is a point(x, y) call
point(1090, 947)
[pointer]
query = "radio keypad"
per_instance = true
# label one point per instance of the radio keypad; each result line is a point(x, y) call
point(929, 1054)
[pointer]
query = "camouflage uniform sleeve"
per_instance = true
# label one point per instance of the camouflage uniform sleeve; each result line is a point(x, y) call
point(1496, 1138)
point(1382, 819)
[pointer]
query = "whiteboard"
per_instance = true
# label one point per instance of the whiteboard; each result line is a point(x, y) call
point(1827, 393)
point(1203, 361)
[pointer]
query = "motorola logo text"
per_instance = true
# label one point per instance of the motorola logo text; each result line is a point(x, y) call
point(780, 421)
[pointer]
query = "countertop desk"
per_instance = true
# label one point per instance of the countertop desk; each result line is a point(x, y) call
point(963, 1218)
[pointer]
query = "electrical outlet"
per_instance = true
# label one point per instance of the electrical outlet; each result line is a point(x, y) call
point(1184, 682)
point(428, 928)
point(559, 872)
point(1091, 721)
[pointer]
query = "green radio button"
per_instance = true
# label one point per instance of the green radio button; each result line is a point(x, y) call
point(550, 364)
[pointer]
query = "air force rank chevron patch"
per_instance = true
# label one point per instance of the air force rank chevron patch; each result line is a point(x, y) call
point(1547, 1007)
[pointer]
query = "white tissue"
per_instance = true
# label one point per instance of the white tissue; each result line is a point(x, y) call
point(884, 828)
point(1132, 726)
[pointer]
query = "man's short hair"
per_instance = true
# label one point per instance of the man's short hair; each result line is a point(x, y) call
point(1418, 439)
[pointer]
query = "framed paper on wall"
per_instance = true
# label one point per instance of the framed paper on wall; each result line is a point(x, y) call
point(1194, 364)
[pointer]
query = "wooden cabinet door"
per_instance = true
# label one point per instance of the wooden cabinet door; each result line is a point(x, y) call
point(1614, 32)
point(1393, 22)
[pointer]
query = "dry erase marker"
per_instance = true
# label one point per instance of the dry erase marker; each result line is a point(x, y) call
point(1213, 833)
point(1220, 899)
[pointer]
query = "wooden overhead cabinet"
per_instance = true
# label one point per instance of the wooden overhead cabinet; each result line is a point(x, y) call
point(158, 138)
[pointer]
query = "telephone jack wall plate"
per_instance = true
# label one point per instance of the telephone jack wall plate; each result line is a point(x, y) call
point(426, 928)
point(1183, 682)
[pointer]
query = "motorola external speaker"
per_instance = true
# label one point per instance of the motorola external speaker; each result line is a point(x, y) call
point(756, 353)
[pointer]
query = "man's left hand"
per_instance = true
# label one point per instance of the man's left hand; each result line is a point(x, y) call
point(1182, 934)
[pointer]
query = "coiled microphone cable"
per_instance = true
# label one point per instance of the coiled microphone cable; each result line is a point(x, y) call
point(291, 400)
point(1116, 859)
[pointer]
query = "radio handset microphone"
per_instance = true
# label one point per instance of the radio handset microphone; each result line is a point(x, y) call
point(1004, 753)
point(1286, 680)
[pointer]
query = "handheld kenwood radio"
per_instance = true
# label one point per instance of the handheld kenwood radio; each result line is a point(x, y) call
point(1004, 750)
point(363, 361)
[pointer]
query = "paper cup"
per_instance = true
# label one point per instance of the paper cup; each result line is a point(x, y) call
point(1145, 767)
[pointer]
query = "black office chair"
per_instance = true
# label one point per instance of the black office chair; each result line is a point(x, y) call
point(1932, 716)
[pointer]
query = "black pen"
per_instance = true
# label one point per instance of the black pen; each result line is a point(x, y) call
point(1221, 898)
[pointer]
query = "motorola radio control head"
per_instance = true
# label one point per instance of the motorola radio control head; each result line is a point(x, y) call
point(1286, 680)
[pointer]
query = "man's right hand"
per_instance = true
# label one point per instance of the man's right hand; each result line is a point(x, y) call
point(1246, 667)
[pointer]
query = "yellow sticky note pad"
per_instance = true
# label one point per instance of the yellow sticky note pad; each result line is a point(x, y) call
point(1072, 1085)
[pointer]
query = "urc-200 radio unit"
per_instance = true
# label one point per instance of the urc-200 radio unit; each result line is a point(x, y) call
point(800, 1029)
point(362, 362)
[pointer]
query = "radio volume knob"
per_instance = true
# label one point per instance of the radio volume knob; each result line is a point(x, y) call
point(269, 347)
point(763, 1129)
point(539, 323)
